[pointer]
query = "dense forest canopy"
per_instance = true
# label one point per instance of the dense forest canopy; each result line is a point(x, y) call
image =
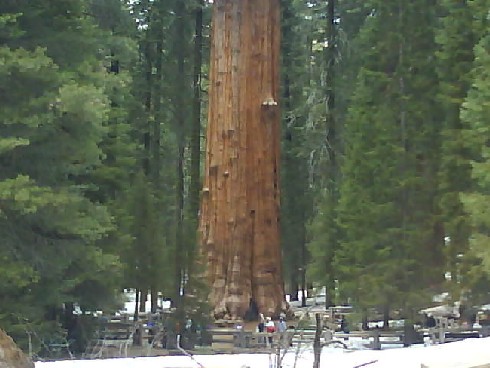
point(384, 168)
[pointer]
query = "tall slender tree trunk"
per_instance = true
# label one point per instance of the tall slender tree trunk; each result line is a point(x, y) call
point(239, 224)
point(195, 138)
point(332, 140)
point(330, 93)
point(148, 106)
point(180, 119)
point(150, 139)
point(143, 299)
point(136, 305)
point(158, 113)
point(155, 163)
point(386, 317)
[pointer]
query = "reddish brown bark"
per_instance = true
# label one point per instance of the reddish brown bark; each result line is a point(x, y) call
point(239, 223)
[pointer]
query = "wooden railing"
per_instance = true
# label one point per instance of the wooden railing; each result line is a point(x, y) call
point(119, 335)
point(234, 338)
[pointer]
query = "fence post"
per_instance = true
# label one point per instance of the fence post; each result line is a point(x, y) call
point(376, 340)
point(442, 327)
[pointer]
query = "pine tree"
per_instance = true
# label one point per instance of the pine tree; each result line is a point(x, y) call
point(170, 151)
point(323, 231)
point(368, 217)
point(455, 58)
point(336, 64)
point(387, 210)
point(295, 193)
point(475, 113)
point(53, 119)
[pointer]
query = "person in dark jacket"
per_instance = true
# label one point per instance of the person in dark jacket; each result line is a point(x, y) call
point(343, 325)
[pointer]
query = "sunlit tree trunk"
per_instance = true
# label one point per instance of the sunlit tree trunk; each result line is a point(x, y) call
point(239, 224)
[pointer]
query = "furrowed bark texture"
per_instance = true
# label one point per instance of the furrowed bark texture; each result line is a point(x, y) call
point(239, 223)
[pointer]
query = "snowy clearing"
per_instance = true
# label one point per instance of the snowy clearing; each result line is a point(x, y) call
point(470, 353)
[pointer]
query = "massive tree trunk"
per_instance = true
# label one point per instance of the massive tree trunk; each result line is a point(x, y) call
point(10, 355)
point(239, 224)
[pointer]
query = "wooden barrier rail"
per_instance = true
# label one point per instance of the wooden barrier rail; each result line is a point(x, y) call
point(234, 338)
point(438, 335)
point(375, 338)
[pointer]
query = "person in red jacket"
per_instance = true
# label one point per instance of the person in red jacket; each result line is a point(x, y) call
point(270, 327)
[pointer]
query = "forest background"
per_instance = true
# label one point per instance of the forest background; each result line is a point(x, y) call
point(385, 169)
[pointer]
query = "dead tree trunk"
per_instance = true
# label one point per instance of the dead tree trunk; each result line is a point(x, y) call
point(239, 223)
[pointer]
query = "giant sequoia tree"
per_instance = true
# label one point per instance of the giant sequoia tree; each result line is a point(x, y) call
point(239, 223)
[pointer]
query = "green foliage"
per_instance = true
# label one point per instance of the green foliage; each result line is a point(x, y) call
point(334, 66)
point(324, 236)
point(367, 211)
point(295, 193)
point(475, 113)
point(95, 135)
point(390, 249)
point(79, 100)
point(455, 57)
point(144, 258)
point(53, 120)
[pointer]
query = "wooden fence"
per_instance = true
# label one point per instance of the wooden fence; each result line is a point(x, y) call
point(223, 339)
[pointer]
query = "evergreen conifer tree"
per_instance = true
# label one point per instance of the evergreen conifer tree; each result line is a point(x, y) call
point(53, 118)
point(391, 240)
point(475, 113)
point(456, 39)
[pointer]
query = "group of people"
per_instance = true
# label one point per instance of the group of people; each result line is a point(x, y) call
point(269, 326)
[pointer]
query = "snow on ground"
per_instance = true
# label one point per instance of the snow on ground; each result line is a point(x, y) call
point(470, 353)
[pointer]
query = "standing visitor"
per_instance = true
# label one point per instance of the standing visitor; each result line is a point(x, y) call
point(270, 328)
point(261, 325)
point(281, 328)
